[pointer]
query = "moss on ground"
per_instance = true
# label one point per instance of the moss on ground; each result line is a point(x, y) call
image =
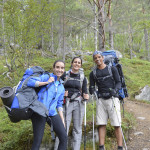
point(19, 136)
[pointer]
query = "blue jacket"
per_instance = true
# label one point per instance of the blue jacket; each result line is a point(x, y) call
point(51, 95)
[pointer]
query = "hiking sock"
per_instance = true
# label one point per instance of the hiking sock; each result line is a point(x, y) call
point(101, 147)
point(120, 147)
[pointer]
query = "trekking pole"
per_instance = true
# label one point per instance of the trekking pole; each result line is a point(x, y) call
point(65, 112)
point(85, 125)
point(93, 124)
point(120, 125)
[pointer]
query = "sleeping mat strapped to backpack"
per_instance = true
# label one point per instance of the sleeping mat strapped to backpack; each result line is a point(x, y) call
point(19, 101)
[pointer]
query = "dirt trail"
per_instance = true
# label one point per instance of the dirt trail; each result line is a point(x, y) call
point(139, 138)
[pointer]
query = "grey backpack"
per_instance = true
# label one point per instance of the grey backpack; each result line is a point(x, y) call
point(81, 72)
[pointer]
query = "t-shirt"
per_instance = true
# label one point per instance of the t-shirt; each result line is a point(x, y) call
point(104, 84)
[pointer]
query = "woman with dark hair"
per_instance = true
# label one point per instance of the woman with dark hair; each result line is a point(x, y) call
point(75, 85)
point(51, 95)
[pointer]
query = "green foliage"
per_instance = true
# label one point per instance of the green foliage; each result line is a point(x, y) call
point(27, 24)
point(136, 74)
point(15, 136)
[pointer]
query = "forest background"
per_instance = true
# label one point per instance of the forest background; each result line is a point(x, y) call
point(36, 32)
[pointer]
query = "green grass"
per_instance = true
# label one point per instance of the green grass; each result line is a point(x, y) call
point(15, 136)
point(19, 136)
point(136, 75)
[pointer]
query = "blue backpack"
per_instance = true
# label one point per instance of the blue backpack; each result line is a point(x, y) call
point(110, 59)
point(21, 100)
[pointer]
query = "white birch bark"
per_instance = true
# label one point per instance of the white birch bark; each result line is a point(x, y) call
point(3, 28)
point(111, 42)
point(80, 43)
point(59, 49)
point(146, 42)
point(95, 26)
point(130, 40)
point(101, 25)
point(64, 45)
point(52, 35)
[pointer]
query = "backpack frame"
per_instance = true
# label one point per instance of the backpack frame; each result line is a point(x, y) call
point(81, 77)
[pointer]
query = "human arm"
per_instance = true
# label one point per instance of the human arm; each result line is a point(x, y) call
point(60, 103)
point(50, 80)
point(40, 81)
point(62, 117)
point(116, 78)
point(84, 89)
point(91, 83)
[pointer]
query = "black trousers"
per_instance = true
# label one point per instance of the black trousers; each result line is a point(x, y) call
point(38, 124)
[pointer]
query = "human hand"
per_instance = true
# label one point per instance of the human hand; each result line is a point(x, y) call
point(113, 92)
point(92, 90)
point(51, 79)
point(66, 93)
point(85, 96)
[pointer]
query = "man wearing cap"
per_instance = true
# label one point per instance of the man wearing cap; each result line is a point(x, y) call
point(108, 86)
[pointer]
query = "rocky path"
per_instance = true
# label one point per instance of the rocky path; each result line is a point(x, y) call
point(139, 137)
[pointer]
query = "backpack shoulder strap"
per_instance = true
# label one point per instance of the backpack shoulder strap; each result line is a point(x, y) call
point(94, 73)
point(67, 76)
point(81, 77)
point(110, 70)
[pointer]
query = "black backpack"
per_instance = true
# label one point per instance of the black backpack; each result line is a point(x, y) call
point(110, 59)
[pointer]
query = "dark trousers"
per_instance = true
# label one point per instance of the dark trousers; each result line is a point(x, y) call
point(38, 123)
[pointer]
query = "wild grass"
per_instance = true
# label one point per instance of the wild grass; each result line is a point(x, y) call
point(18, 135)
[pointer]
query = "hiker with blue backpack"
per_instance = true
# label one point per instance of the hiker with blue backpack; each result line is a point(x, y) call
point(51, 95)
point(75, 84)
point(107, 80)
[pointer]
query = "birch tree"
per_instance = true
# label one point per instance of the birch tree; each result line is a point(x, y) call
point(111, 42)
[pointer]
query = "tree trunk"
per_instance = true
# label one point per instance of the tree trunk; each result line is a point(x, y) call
point(3, 28)
point(130, 40)
point(77, 38)
point(95, 26)
point(111, 42)
point(52, 36)
point(146, 42)
point(59, 49)
point(64, 45)
point(101, 25)
point(80, 43)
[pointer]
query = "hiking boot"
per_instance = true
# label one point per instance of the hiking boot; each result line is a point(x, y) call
point(120, 147)
point(101, 147)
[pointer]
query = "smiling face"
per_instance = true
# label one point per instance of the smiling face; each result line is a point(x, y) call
point(98, 59)
point(76, 64)
point(59, 69)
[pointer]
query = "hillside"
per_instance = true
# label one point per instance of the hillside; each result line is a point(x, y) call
point(136, 74)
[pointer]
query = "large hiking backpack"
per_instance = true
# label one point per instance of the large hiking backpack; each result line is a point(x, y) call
point(81, 72)
point(110, 59)
point(82, 76)
point(18, 100)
